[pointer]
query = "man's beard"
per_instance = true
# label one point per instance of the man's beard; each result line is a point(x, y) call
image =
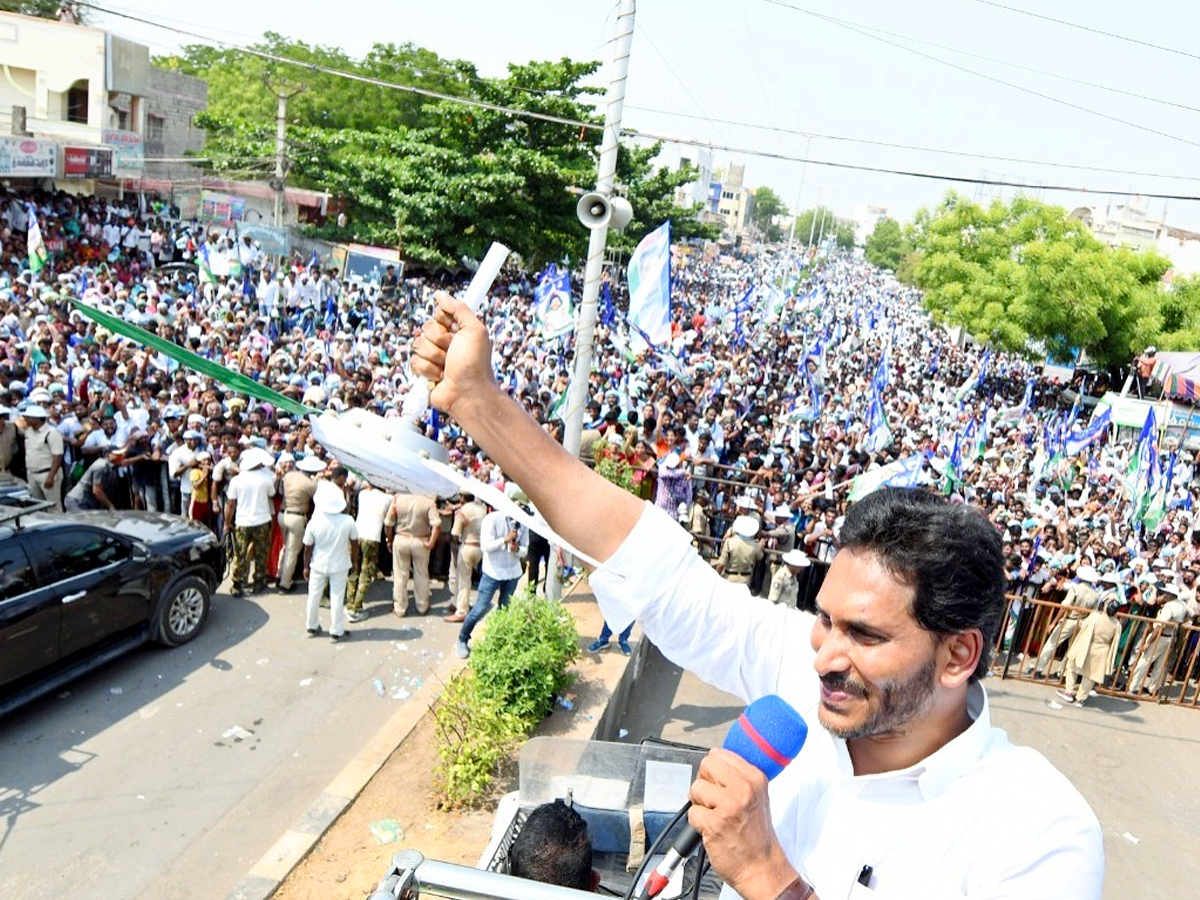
point(899, 702)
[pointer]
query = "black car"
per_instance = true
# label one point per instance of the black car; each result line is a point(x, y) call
point(78, 590)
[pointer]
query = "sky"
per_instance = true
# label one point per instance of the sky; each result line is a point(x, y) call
point(778, 63)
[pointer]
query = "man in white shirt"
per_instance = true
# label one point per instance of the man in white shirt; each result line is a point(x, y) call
point(327, 539)
point(248, 507)
point(504, 544)
point(905, 789)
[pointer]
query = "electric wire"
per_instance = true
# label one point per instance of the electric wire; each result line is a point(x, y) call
point(1088, 28)
point(650, 135)
point(860, 29)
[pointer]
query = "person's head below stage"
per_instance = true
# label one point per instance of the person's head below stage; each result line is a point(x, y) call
point(554, 847)
point(907, 618)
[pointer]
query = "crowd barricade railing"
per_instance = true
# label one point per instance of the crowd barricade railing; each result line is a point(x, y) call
point(1164, 658)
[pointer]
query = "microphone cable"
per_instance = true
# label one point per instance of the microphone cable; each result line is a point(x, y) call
point(654, 847)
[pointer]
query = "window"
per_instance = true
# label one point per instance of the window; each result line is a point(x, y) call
point(154, 128)
point(16, 574)
point(66, 554)
point(77, 102)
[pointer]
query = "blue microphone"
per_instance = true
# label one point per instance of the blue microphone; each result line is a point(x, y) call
point(768, 735)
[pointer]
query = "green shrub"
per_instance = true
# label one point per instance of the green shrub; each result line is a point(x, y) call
point(484, 713)
point(522, 662)
point(612, 466)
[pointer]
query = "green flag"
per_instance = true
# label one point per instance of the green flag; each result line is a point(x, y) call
point(38, 257)
point(231, 379)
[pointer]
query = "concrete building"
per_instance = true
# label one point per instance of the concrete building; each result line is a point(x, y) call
point(864, 219)
point(95, 96)
point(1131, 224)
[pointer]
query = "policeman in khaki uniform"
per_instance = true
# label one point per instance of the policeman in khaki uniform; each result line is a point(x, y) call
point(1082, 594)
point(785, 584)
point(413, 526)
point(466, 531)
point(740, 552)
point(298, 487)
point(43, 455)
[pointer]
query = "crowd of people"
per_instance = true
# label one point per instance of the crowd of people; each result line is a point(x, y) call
point(786, 387)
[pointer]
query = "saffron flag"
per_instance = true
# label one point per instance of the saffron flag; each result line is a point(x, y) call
point(649, 276)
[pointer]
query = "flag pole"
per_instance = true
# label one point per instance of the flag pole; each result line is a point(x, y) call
point(585, 325)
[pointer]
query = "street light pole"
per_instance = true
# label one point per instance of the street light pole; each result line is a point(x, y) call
point(606, 174)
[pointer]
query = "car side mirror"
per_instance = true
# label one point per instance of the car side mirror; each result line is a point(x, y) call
point(140, 553)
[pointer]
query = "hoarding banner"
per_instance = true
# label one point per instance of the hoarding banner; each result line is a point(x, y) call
point(87, 162)
point(128, 150)
point(26, 158)
point(222, 207)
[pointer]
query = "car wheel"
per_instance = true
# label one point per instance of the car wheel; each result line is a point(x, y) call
point(182, 611)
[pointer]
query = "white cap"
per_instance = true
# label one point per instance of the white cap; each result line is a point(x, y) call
point(745, 526)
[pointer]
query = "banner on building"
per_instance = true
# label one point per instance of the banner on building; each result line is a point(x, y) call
point(274, 241)
point(216, 207)
point(26, 158)
point(87, 162)
point(129, 150)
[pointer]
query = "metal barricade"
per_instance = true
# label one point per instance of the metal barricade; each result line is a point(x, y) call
point(1035, 634)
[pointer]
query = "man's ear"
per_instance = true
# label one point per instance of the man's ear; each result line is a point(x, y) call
point(960, 656)
point(595, 881)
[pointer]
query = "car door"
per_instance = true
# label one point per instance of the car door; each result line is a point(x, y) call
point(102, 589)
point(29, 616)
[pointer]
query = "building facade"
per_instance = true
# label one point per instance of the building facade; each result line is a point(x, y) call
point(95, 97)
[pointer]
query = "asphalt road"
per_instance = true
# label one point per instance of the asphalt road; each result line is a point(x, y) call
point(168, 773)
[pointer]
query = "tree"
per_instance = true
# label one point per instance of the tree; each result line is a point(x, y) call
point(766, 207)
point(1179, 309)
point(821, 221)
point(1024, 275)
point(436, 177)
point(43, 9)
point(885, 246)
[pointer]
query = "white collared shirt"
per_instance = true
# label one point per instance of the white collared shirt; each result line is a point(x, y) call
point(979, 818)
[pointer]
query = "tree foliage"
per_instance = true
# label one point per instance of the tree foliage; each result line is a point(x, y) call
point(440, 179)
point(820, 224)
point(43, 9)
point(1022, 274)
point(767, 206)
point(886, 245)
point(1179, 310)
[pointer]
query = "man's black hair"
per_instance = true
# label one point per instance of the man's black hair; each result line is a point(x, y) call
point(553, 846)
point(948, 552)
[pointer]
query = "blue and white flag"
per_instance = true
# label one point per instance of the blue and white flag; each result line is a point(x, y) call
point(649, 276)
point(608, 309)
point(879, 435)
point(552, 302)
point(882, 377)
point(1081, 440)
point(903, 473)
point(314, 262)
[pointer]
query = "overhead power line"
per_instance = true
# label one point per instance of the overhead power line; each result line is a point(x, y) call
point(634, 133)
point(858, 28)
point(892, 145)
point(1088, 28)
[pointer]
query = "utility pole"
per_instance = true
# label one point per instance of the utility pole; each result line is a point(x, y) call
point(799, 191)
point(606, 173)
point(283, 93)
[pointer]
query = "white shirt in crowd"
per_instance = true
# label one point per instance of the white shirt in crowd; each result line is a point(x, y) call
point(498, 561)
point(330, 537)
point(372, 507)
point(253, 491)
point(947, 827)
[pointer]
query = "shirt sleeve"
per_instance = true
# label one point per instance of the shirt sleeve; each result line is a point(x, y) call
point(741, 644)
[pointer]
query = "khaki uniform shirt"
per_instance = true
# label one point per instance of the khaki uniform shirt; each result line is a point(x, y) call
point(413, 514)
point(738, 557)
point(298, 490)
point(466, 522)
point(41, 446)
